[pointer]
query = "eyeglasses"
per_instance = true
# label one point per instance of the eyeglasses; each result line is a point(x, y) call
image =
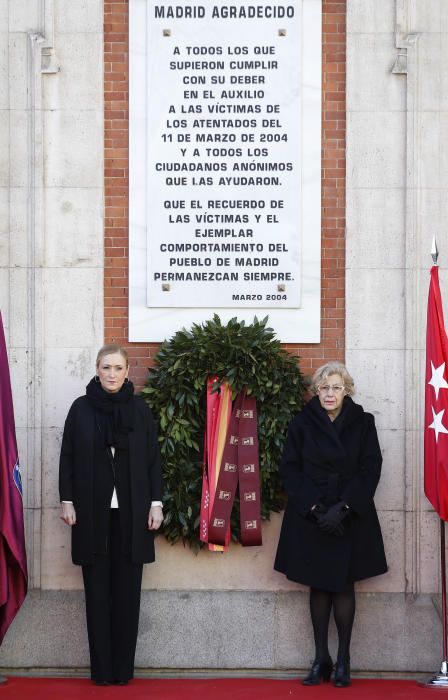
point(336, 389)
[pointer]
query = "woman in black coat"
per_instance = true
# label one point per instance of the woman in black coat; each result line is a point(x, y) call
point(331, 535)
point(110, 487)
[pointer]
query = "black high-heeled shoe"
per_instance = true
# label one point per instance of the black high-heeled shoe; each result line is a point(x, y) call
point(342, 674)
point(320, 671)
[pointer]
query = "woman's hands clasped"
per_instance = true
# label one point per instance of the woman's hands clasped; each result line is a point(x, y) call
point(331, 521)
point(68, 513)
point(155, 518)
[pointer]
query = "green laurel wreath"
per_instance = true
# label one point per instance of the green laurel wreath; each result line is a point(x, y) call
point(176, 392)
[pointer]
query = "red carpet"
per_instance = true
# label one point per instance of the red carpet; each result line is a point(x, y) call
point(203, 689)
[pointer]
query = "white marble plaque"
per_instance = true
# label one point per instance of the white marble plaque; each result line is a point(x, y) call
point(225, 135)
point(224, 165)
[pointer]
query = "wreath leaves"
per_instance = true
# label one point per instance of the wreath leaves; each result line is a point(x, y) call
point(242, 354)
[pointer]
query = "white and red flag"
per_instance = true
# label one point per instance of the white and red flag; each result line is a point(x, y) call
point(436, 401)
point(13, 570)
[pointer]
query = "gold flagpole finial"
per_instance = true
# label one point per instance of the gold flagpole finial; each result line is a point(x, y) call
point(434, 251)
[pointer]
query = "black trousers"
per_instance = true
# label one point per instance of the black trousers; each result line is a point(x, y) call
point(112, 588)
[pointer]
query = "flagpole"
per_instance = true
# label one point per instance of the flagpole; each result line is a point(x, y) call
point(443, 583)
point(440, 680)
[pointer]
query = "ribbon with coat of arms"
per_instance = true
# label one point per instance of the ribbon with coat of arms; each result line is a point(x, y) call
point(230, 459)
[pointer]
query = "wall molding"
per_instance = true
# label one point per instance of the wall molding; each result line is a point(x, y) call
point(40, 61)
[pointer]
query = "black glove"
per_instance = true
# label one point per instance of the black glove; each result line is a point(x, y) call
point(317, 510)
point(331, 521)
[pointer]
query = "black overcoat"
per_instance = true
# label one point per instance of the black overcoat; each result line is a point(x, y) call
point(76, 469)
point(325, 461)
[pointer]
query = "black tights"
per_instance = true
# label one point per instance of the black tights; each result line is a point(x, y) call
point(343, 604)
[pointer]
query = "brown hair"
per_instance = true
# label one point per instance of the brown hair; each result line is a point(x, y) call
point(110, 349)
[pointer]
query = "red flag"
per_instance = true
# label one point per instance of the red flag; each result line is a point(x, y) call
point(436, 402)
point(13, 569)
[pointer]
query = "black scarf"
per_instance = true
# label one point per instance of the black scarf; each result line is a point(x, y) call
point(114, 412)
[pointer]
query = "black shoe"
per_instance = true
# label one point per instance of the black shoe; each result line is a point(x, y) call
point(342, 674)
point(121, 682)
point(101, 682)
point(320, 671)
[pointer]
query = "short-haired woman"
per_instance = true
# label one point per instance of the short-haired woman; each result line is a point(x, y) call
point(331, 535)
point(110, 487)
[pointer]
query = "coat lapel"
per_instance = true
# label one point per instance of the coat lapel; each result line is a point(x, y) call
point(330, 451)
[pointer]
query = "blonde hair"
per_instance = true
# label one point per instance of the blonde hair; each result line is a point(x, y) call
point(110, 349)
point(322, 374)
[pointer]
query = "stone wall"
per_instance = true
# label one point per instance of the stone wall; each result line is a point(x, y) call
point(396, 189)
point(51, 238)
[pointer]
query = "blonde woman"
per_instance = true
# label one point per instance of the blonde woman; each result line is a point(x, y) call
point(110, 487)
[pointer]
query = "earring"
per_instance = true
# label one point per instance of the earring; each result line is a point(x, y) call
point(97, 379)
